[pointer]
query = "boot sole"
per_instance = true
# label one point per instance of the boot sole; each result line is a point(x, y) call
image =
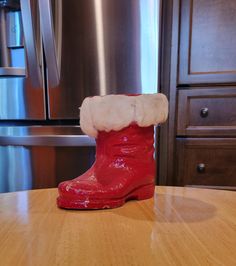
point(141, 193)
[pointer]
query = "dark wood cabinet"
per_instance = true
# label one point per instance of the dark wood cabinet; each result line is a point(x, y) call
point(198, 73)
point(207, 42)
point(206, 162)
point(206, 111)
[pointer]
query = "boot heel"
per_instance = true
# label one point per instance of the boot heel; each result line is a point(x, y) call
point(142, 193)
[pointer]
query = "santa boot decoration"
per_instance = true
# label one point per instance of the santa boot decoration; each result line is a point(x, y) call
point(124, 168)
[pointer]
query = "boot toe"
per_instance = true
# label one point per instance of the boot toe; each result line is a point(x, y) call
point(79, 189)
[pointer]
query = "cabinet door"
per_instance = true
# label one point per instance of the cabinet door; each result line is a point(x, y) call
point(207, 42)
point(206, 162)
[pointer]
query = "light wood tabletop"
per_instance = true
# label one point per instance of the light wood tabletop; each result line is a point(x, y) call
point(179, 226)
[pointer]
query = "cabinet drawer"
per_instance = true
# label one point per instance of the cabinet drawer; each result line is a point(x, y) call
point(209, 162)
point(204, 112)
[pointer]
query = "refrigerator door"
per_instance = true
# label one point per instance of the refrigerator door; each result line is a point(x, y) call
point(98, 47)
point(22, 94)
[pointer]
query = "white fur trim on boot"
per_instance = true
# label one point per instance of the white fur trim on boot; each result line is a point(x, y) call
point(114, 112)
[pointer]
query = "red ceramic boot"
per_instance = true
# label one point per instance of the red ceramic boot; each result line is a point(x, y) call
point(124, 168)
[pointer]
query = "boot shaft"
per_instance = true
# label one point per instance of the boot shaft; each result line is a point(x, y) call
point(132, 142)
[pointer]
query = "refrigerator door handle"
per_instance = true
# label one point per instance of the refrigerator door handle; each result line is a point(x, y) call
point(52, 51)
point(31, 44)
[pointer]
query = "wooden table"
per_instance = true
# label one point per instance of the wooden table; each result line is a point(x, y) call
point(180, 226)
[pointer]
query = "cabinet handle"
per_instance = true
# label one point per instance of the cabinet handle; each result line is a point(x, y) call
point(204, 112)
point(201, 168)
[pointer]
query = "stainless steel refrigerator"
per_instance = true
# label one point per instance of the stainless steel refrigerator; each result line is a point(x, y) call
point(53, 54)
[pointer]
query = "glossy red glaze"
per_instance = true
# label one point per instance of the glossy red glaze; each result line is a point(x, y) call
point(124, 169)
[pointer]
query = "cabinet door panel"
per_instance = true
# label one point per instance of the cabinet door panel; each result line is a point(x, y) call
point(207, 42)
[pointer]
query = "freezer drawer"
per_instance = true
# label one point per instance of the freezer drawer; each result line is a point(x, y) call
point(42, 156)
point(33, 167)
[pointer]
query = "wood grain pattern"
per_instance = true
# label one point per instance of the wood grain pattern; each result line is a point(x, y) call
point(180, 226)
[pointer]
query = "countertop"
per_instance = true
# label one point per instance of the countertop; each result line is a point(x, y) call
point(179, 226)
